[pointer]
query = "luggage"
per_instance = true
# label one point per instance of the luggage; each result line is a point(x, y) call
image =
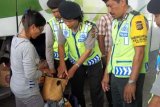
point(53, 88)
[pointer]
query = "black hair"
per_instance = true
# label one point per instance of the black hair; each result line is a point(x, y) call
point(31, 17)
point(105, 1)
point(53, 4)
point(79, 18)
point(127, 2)
point(120, 0)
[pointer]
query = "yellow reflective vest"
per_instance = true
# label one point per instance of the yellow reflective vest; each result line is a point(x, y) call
point(54, 24)
point(76, 44)
point(123, 52)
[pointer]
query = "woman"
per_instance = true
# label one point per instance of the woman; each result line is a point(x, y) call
point(25, 60)
point(84, 53)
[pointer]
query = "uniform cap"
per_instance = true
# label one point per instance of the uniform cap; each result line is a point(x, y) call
point(154, 6)
point(70, 10)
point(53, 4)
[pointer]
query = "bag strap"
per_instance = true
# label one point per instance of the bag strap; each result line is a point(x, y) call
point(62, 92)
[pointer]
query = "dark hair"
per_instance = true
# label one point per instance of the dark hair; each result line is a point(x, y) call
point(120, 0)
point(31, 17)
point(79, 18)
point(53, 4)
point(127, 2)
point(105, 1)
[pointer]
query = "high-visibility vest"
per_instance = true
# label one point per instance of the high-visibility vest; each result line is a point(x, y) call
point(121, 59)
point(76, 44)
point(54, 24)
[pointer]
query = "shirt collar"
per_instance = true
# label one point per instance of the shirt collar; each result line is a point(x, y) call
point(126, 14)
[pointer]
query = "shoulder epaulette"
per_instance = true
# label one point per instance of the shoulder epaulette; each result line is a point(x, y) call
point(89, 23)
point(135, 12)
point(61, 21)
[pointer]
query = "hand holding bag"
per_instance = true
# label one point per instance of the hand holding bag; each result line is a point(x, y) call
point(53, 88)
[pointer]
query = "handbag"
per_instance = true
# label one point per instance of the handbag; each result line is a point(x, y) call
point(53, 88)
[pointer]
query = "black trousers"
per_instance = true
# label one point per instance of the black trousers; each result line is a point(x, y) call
point(94, 74)
point(117, 88)
point(56, 64)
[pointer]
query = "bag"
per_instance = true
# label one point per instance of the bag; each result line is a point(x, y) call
point(53, 88)
point(4, 75)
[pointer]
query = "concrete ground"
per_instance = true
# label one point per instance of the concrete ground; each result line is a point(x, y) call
point(150, 76)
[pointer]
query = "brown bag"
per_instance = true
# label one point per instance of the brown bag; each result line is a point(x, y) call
point(4, 75)
point(53, 88)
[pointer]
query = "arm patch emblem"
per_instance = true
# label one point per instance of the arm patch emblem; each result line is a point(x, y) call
point(139, 25)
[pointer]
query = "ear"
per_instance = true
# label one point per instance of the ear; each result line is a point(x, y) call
point(33, 27)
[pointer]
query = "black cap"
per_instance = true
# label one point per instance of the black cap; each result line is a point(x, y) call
point(70, 10)
point(154, 6)
point(53, 4)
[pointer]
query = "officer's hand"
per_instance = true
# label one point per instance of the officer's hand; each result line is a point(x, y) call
point(129, 92)
point(61, 70)
point(105, 82)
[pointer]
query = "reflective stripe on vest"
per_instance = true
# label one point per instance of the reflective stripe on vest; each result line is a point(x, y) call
point(94, 60)
point(123, 71)
point(55, 29)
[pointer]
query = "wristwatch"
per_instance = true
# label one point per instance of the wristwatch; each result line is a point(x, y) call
point(131, 81)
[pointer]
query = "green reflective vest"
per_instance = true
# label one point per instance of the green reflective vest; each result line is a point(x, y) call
point(76, 44)
point(121, 59)
point(54, 24)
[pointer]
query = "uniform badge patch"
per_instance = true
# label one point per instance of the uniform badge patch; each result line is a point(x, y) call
point(65, 33)
point(82, 37)
point(139, 25)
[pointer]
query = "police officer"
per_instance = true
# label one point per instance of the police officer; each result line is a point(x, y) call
point(52, 37)
point(129, 55)
point(84, 53)
point(153, 7)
